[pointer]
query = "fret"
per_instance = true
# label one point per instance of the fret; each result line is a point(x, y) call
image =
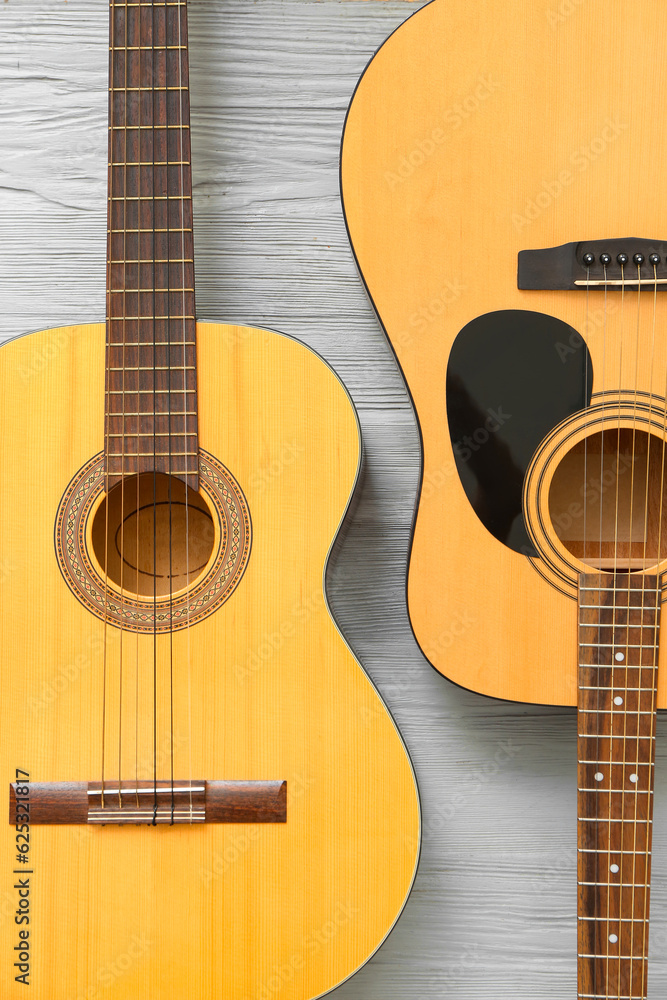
point(154, 368)
point(615, 920)
point(152, 434)
point(122, 319)
point(617, 763)
point(157, 260)
point(593, 687)
point(149, 392)
point(620, 710)
point(593, 736)
point(632, 790)
point(152, 127)
point(145, 48)
point(143, 345)
point(618, 885)
point(151, 197)
point(148, 163)
point(169, 229)
point(143, 90)
point(148, 291)
point(153, 413)
point(152, 454)
point(621, 958)
point(593, 850)
point(603, 819)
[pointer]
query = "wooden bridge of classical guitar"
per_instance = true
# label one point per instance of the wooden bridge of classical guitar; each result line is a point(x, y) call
point(153, 803)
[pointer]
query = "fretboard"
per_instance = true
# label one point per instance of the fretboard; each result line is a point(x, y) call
point(619, 617)
point(151, 398)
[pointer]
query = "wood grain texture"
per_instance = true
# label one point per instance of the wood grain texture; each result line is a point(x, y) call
point(494, 909)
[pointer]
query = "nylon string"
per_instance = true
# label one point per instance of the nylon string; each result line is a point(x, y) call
point(122, 461)
point(185, 406)
point(155, 798)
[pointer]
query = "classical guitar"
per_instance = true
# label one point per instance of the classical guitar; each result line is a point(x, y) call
point(502, 170)
point(206, 795)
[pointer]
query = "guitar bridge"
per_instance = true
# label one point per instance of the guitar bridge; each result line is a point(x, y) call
point(149, 802)
point(611, 264)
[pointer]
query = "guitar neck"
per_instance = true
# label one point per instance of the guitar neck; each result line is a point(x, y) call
point(619, 619)
point(151, 400)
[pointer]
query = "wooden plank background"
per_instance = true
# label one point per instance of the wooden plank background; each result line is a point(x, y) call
point(492, 916)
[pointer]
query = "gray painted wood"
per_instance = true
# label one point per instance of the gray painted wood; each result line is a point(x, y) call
point(493, 910)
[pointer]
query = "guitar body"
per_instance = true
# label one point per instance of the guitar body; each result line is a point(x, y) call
point(477, 132)
point(285, 910)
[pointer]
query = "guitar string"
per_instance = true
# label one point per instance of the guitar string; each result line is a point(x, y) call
point(627, 648)
point(169, 419)
point(641, 688)
point(598, 754)
point(651, 755)
point(154, 256)
point(644, 566)
point(182, 12)
point(585, 532)
point(640, 691)
point(644, 956)
point(647, 855)
point(599, 629)
point(640, 665)
point(641, 640)
point(122, 461)
point(633, 450)
point(612, 685)
point(586, 407)
point(585, 537)
point(105, 653)
point(613, 618)
point(615, 578)
point(622, 879)
point(139, 432)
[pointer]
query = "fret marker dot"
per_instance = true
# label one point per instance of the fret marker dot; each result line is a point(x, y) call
point(614, 869)
point(618, 700)
point(613, 938)
point(634, 779)
point(599, 776)
point(620, 656)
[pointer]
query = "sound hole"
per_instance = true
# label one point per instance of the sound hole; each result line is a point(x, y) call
point(608, 497)
point(153, 535)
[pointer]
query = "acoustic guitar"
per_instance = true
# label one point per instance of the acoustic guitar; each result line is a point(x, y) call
point(206, 795)
point(502, 170)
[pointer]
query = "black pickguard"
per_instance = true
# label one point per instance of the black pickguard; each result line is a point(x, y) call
point(512, 376)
